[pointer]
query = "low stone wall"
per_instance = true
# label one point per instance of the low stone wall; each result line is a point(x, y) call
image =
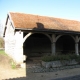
point(53, 64)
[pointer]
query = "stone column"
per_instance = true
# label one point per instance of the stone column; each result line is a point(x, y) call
point(53, 45)
point(53, 48)
point(76, 45)
point(76, 48)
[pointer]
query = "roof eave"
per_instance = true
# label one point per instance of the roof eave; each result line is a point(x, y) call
point(49, 30)
point(8, 17)
point(11, 21)
point(5, 25)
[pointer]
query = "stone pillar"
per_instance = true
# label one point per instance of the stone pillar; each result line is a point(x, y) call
point(76, 45)
point(76, 48)
point(53, 48)
point(53, 45)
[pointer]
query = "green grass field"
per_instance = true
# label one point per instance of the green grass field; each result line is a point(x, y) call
point(2, 52)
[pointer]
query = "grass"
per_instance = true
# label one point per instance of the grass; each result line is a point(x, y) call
point(13, 64)
point(2, 52)
point(6, 57)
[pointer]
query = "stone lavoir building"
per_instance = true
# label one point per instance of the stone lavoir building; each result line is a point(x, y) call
point(35, 36)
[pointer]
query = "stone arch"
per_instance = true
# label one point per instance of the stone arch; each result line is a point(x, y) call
point(30, 33)
point(65, 44)
point(37, 44)
point(63, 35)
point(48, 37)
point(26, 36)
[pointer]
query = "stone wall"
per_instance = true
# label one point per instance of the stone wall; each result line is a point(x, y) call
point(18, 50)
point(9, 39)
point(14, 43)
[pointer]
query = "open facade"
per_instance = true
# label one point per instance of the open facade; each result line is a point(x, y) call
point(28, 35)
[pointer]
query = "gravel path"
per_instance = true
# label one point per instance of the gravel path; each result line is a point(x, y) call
point(54, 75)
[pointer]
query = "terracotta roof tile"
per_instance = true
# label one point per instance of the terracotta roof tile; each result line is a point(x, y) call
point(29, 21)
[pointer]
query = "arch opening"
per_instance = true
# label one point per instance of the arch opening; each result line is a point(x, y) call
point(65, 45)
point(37, 45)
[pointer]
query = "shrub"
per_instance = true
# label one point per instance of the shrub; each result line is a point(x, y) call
point(60, 57)
point(78, 59)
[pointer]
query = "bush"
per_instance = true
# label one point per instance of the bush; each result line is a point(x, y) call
point(78, 59)
point(60, 57)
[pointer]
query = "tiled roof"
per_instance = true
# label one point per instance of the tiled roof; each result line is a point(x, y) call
point(29, 21)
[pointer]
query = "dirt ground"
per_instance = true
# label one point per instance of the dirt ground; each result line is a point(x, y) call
point(20, 74)
point(7, 73)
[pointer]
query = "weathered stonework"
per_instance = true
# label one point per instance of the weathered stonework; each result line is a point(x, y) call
point(18, 50)
point(14, 44)
point(53, 64)
point(9, 39)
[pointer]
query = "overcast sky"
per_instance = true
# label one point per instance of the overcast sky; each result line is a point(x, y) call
point(68, 9)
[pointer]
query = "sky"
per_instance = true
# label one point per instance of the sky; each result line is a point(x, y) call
point(67, 9)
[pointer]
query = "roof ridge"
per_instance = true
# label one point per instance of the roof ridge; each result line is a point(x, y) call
point(31, 21)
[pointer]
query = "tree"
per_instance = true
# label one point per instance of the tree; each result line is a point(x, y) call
point(1, 42)
point(1, 29)
point(1, 36)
